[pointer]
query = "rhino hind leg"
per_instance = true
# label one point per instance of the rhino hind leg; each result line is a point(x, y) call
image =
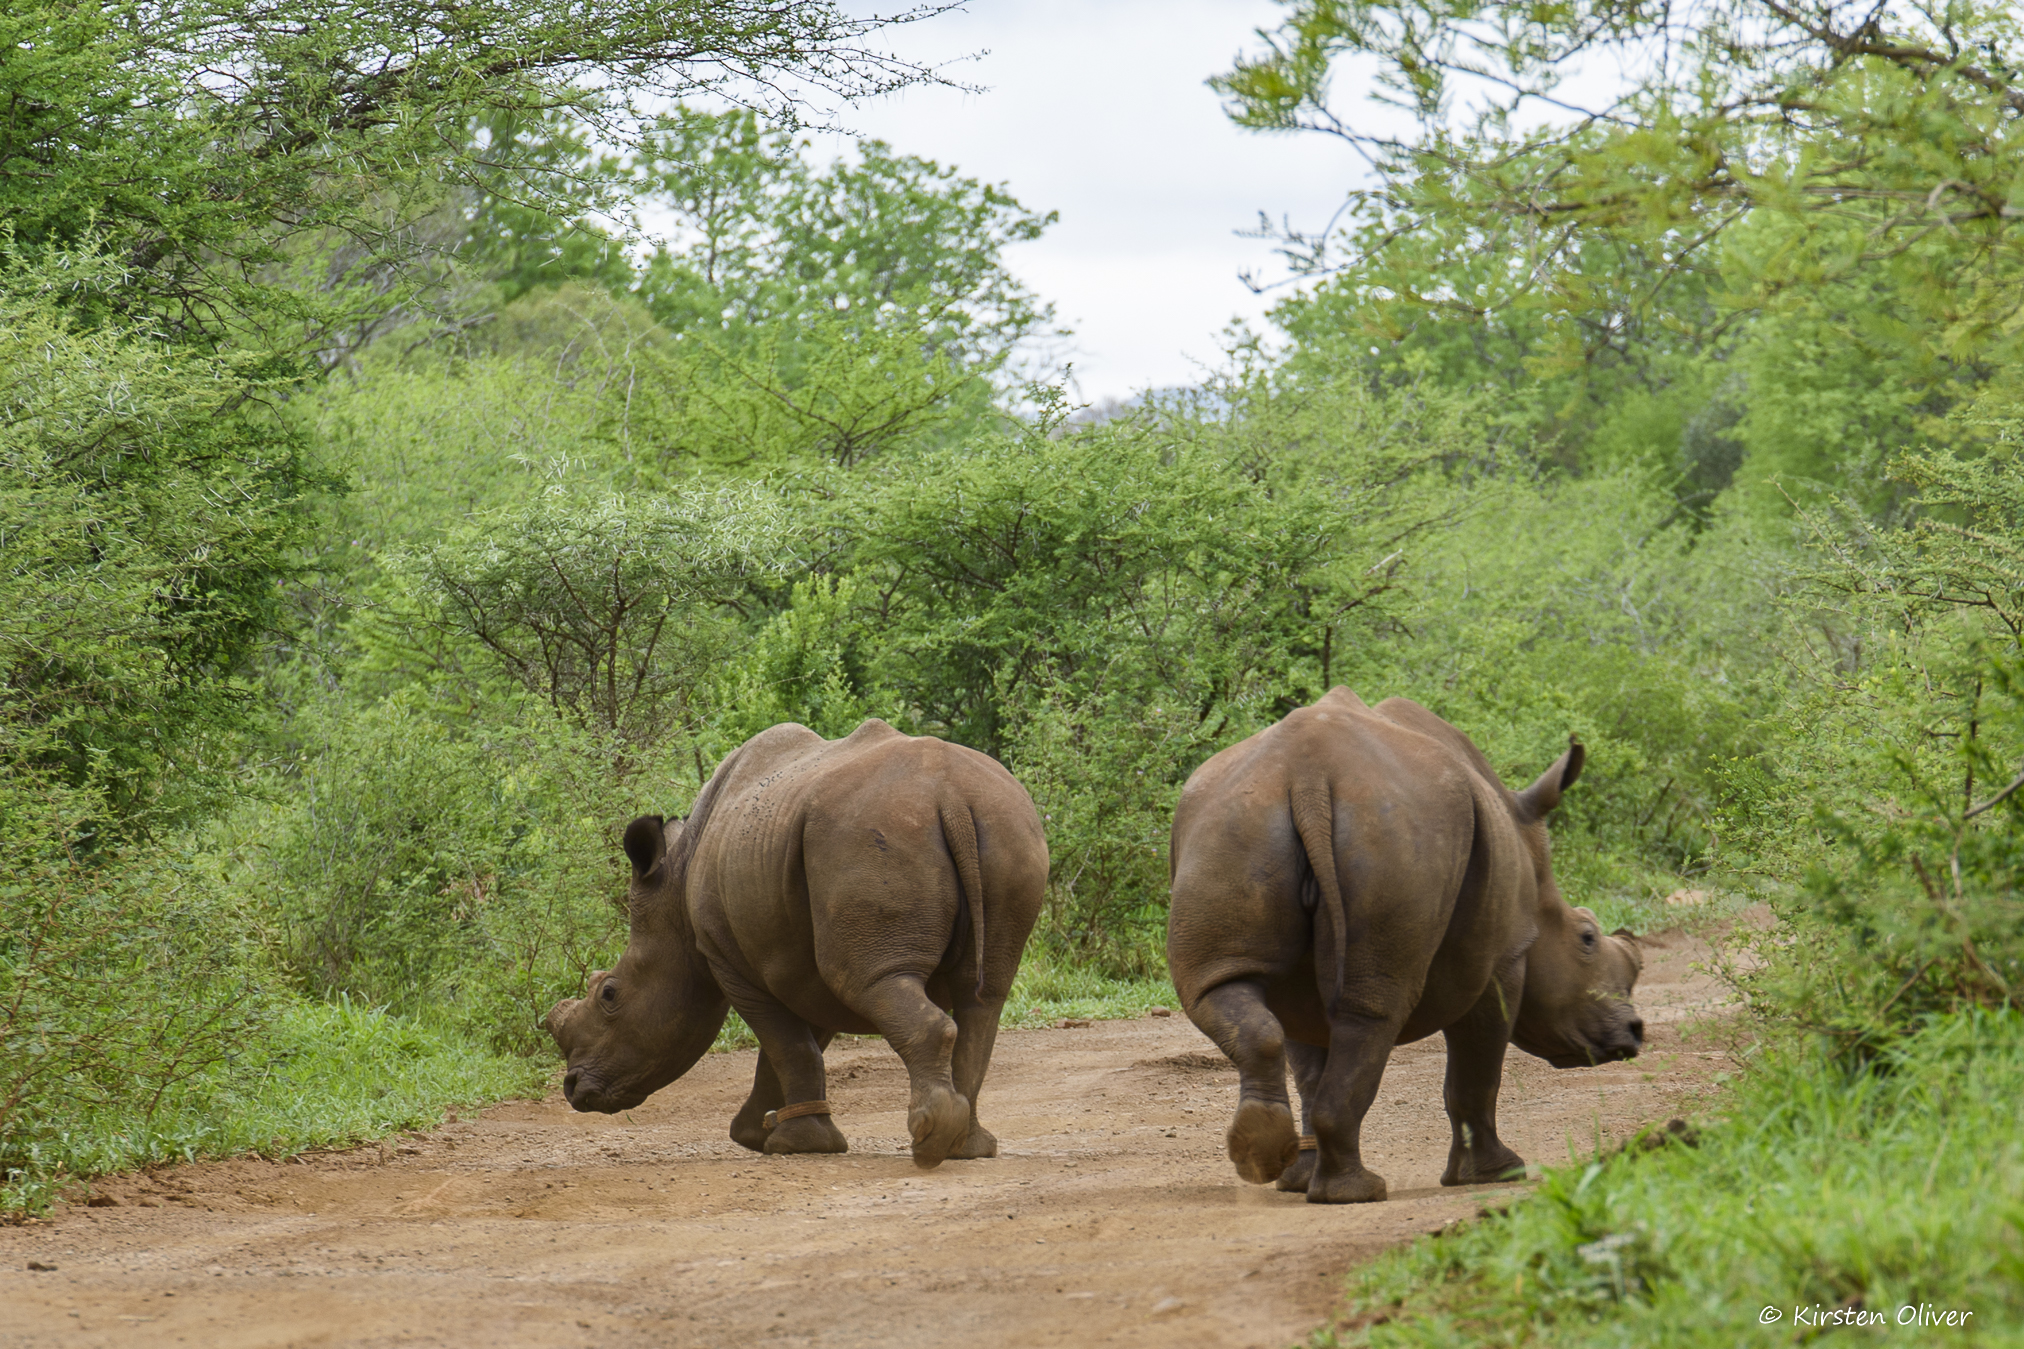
point(806, 1133)
point(1262, 1141)
point(1307, 1062)
point(938, 1115)
point(976, 1034)
point(1359, 1045)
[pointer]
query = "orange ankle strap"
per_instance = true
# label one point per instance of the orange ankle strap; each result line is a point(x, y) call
point(795, 1111)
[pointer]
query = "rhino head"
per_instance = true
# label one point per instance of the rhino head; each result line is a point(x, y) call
point(1576, 1010)
point(644, 1022)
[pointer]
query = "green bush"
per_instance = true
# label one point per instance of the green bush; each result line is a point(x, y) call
point(1105, 772)
point(467, 875)
point(121, 983)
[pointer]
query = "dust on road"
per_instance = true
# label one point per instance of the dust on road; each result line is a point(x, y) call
point(1111, 1217)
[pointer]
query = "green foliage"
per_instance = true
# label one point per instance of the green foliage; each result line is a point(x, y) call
point(288, 205)
point(805, 666)
point(603, 607)
point(150, 506)
point(802, 314)
point(826, 389)
point(317, 1075)
point(458, 871)
point(1818, 1190)
point(1106, 771)
point(1912, 905)
point(1593, 607)
point(1133, 557)
point(1819, 197)
point(121, 983)
point(765, 243)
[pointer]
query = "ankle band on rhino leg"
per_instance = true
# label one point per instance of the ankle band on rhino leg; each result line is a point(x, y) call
point(787, 1112)
point(1308, 1143)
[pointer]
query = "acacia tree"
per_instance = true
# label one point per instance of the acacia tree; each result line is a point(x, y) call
point(265, 166)
point(603, 608)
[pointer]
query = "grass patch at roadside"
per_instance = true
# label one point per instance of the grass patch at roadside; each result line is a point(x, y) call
point(1823, 1192)
point(1049, 988)
point(318, 1075)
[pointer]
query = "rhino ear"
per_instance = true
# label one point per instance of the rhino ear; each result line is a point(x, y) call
point(1542, 796)
point(644, 844)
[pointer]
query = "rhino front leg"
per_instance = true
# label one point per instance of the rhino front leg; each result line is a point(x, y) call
point(748, 1126)
point(792, 1052)
point(1476, 1046)
point(938, 1116)
point(1307, 1062)
point(976, 1033)
point(1261, 1138)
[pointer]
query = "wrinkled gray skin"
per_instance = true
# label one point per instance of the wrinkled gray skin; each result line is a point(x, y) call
point(864, 885)
point(1374, 851)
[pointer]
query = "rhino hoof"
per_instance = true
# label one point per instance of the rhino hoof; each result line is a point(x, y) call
point(1262, 1140)
point(981, 1143)
point(1351, 1187)
point(805, 1133)
point(1296, 1178)
point(938, 1121)
point(1465, 1170)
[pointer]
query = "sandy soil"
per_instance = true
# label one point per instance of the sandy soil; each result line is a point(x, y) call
point(1112, 1216)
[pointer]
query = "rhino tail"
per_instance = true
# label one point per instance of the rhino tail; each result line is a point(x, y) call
point(959, 831)
point(1314, 820)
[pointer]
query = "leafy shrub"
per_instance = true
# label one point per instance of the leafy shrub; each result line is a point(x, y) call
point(1105, 771)
point(468, 875)
point(120, 983)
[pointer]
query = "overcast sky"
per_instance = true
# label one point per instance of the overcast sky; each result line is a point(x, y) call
point(1097, 109)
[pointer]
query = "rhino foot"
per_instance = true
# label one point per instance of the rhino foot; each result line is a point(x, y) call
point(1296, 1178)
point(805, 1133)
point(1468, 1168)
point(980, 1143)
point(747, 1131)
point(1262, 1140)
point(1349, 1187)
point(939, 1121)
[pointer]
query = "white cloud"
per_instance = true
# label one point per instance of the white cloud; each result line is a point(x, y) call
point(1098, 109)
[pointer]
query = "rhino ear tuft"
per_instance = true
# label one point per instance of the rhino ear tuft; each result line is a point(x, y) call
point(644, 844)
point(1543, 795)
point(1576, 756)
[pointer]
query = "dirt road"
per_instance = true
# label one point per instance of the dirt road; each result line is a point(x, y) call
point(1112, 1216)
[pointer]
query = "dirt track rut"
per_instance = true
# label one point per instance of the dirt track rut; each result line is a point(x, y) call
point(1112, 1216)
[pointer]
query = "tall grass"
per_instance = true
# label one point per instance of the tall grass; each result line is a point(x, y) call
point(1822, 1191)
point(319, 1075)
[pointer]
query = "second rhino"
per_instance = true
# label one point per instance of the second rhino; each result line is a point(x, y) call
point(1355, 878)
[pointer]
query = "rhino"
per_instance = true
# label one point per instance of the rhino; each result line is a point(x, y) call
point(1354, 878)
point(872, 884)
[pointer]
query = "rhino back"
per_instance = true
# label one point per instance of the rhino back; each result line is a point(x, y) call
point(1400, 808)
point(825, 866)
